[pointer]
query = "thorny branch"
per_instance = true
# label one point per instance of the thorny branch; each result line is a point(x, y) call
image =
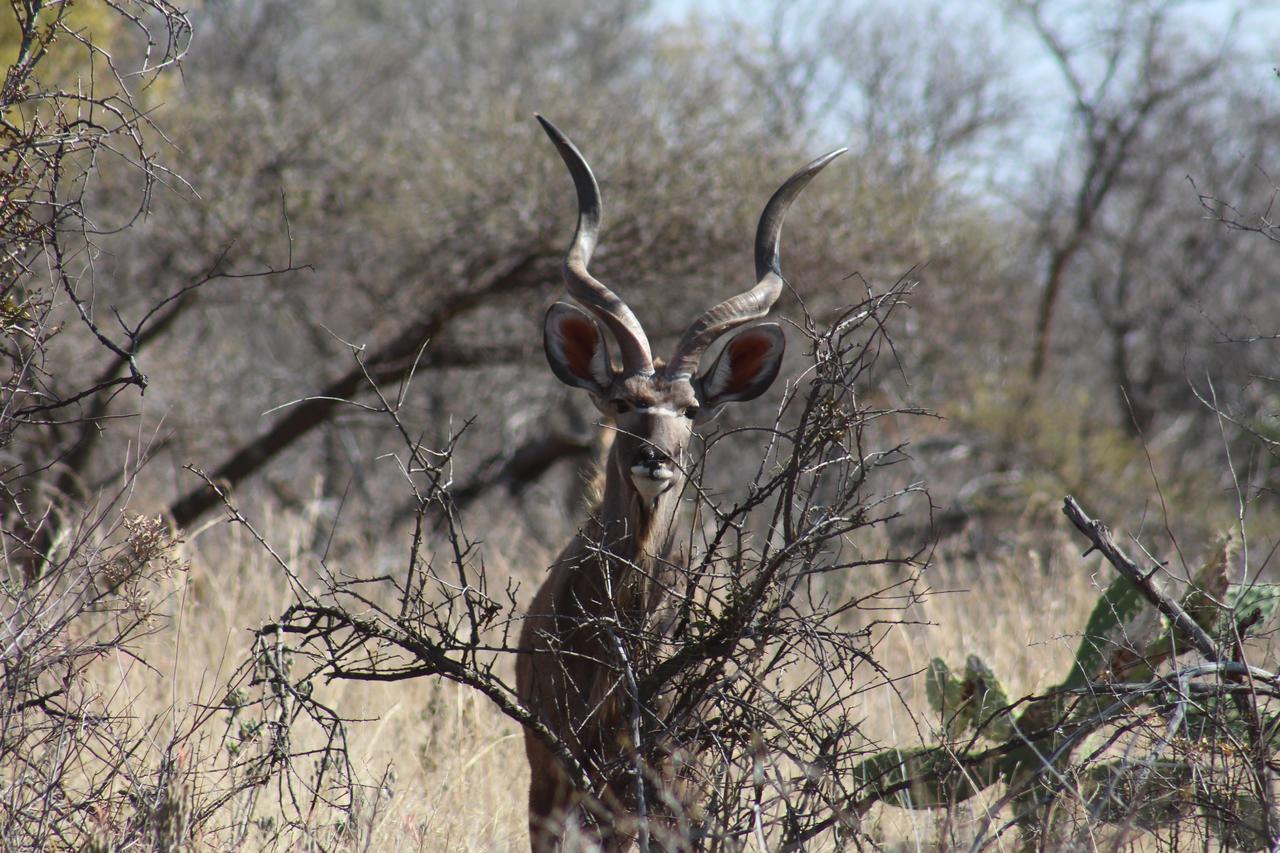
point(754, 651)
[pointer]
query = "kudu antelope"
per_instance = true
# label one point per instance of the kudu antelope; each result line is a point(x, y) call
point(614, 574)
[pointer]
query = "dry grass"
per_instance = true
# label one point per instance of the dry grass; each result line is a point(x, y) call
point(449, 770)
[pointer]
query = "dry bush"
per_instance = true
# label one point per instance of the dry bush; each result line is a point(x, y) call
point(70, 752)
point(85, 580)
point(69, 104)
point(754, 667)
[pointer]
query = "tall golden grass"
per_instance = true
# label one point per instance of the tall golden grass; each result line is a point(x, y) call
point(443, 770)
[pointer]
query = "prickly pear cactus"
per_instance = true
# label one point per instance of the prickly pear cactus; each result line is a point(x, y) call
point(971, 703)
point(1215, 603)
point(1203, 601)
point(1119, 629)
point(926, 777)
point(1125, 639)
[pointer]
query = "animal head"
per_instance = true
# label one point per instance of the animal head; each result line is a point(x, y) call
point(656, 405)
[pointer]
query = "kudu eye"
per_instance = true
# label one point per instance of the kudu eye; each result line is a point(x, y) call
point(691, 412)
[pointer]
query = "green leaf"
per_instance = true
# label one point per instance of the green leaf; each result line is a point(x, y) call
point(11, 311)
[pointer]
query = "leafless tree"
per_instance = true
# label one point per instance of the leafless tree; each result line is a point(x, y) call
point(58, 128)
point(1150, 89)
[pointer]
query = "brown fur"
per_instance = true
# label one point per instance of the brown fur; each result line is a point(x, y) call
point(617, 567)
point(611, 580)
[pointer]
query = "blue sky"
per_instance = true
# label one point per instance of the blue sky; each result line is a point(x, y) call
point(1046, 99)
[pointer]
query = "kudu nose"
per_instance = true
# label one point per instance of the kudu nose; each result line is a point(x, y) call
point(650, 457)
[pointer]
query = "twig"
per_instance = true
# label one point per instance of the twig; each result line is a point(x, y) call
point(1097, 533)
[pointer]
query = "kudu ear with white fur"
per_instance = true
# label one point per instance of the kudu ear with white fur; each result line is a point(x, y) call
point(576, 348)
point(745, 368)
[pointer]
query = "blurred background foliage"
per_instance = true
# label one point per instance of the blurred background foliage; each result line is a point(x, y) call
point(1075, 296)
point(1053, 176)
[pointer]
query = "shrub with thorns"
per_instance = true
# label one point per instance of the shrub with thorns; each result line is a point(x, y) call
point(756, 663)
point(74, 765)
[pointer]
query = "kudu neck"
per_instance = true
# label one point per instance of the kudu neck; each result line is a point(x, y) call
point(633, 527)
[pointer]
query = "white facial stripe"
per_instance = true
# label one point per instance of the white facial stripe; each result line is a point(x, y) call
point(662, 411)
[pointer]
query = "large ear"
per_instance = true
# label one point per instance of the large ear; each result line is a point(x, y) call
point(745, 368)
point(576, 349)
